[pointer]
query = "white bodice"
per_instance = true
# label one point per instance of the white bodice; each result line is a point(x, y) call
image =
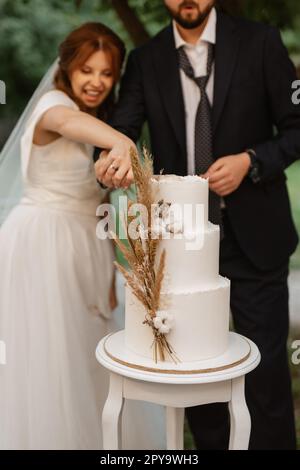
point(61, 174)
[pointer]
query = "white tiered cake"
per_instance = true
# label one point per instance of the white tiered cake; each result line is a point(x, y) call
point(195, 295)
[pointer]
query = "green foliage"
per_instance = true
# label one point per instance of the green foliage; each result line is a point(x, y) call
point(293, 174)
point(281, 13)
point(31, 30)
point(30, 33)
point(295, 372)
point(278, 12)
point(152, 13)
point(285, 14)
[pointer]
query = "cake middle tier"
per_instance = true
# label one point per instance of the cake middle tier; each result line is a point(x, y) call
point(191, 264)
point(200, 323)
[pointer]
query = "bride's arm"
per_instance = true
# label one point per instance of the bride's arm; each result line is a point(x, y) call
point(83, 128)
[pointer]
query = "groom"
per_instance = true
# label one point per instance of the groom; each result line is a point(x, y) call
point(222, 126)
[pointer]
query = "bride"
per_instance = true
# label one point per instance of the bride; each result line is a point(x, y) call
point(57, 278)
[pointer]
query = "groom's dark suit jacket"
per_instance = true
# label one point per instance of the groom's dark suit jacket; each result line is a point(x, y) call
point(252, 102)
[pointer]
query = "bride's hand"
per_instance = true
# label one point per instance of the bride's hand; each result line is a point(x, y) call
point(113, 169)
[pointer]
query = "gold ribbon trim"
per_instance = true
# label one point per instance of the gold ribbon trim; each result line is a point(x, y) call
point(174, 371)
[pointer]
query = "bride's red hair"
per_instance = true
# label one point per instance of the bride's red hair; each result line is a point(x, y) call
point(75, 50)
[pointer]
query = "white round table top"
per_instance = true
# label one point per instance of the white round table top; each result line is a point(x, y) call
point(241, 357)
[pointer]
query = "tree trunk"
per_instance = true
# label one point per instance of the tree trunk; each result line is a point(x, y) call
point(131, 22)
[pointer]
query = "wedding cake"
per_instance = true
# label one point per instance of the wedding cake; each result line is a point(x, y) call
point(194, 298)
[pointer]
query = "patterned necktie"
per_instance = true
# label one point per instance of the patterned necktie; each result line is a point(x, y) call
point(203, 127)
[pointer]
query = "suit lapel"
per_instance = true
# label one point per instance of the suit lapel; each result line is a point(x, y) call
point(226, 51)
point(168, 79)
point(168, 75)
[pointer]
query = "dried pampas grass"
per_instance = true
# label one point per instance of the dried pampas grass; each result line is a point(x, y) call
point(144, 280)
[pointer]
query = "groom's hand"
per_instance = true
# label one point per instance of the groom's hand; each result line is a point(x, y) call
point(226, 174)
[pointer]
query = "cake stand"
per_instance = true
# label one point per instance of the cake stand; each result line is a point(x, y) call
point(177, 386)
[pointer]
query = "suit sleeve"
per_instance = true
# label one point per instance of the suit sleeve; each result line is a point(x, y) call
point(129, 115)
point(279, 73)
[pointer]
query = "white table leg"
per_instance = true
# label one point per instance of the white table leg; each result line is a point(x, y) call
point(174, 428)
point(240, 422)
point(111, 413)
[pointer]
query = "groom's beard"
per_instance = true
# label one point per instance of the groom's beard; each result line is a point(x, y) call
point(185, 21)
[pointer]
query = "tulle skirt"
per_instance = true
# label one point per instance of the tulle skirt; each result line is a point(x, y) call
point(54, 309)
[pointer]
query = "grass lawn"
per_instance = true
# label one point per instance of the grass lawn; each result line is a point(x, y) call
point(295, 371)
point(293, 174)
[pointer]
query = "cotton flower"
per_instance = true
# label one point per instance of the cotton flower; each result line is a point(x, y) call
point(175, 227)
point(163, 322)
point(165, 210)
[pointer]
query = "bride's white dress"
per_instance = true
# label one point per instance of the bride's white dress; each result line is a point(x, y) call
point(54, 309)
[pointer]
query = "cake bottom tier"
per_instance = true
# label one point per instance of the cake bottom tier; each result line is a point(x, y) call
point(200, 323)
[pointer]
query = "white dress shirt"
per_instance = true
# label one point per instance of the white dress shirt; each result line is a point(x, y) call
point(197, 55)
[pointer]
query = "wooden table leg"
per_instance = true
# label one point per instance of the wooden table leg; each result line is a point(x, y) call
point(111, 413)
point(240, 426)
point(174, 428)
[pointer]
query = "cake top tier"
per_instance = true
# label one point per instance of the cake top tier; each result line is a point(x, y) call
point(186, 197)
point(177, 179)
point(181, 189)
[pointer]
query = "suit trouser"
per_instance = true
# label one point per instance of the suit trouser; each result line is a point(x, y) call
point(259, 305)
